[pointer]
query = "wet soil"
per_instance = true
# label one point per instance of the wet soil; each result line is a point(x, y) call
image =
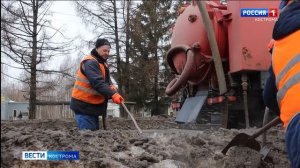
point(163, 144)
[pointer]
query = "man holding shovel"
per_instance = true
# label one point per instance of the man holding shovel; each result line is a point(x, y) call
point(93, 88)
point(286, 70)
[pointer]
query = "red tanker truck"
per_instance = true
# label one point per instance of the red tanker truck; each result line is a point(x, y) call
point(220, 59)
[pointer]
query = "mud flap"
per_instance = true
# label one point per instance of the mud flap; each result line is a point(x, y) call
point(191, 108)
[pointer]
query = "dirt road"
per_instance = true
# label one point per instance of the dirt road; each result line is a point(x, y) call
point(163, 144)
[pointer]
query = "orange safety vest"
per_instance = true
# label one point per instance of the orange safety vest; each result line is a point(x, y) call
point(83, 90)
point(286, 67)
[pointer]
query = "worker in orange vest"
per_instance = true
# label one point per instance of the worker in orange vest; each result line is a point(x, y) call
point(93, 88)
point(286, 76)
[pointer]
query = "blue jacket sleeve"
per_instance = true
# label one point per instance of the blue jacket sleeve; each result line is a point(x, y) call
point(93, 73)
point(270, 92)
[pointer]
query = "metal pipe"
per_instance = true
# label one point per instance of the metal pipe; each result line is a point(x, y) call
point(225, 112)
point(265, 121)
point(175, 84)
point(245, 94)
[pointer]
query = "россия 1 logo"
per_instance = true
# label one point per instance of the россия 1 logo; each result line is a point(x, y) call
point(259, 12)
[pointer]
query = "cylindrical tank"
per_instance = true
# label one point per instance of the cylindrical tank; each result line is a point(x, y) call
point(189, 30)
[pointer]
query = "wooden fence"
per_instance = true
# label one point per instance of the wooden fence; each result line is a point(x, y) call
point(54, 110)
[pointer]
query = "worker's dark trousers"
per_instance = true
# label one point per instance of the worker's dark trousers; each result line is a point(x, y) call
point(270, 92)
point(88, 122)
point(292, 140)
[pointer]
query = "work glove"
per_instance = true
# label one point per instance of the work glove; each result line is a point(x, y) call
point(117, 98)
point(113, 87)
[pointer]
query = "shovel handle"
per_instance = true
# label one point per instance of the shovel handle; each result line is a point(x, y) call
point(138, 128)
point(272, 123)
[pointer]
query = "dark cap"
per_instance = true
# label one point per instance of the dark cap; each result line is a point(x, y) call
point(100, 42)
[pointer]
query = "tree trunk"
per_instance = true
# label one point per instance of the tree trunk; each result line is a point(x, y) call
point(119, 72)
point(126, 70)
point(157, 66)
point(32, 97)
point(117, 49)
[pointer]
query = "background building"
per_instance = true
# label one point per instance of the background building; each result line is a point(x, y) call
point(10, 110)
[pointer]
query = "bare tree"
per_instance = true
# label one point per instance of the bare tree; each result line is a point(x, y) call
point(104, 16)
point(27, 36)
point(126, 16)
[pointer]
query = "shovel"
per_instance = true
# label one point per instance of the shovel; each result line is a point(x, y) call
point(137, 127)
point(243, 139)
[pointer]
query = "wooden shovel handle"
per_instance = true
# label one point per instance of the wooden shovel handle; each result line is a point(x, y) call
point(272, 123)
point(138, 128)
point(104, 122)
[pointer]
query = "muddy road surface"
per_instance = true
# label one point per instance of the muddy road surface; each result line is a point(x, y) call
point(163, 144)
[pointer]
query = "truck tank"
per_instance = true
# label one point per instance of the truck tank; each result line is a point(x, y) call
point(242, 44)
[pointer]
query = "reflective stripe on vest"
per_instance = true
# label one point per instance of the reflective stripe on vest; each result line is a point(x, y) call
point(292, 63)
point(290, 83)
point(83, 90)
point(91, 91)
point(82, 80)
point(286, 67)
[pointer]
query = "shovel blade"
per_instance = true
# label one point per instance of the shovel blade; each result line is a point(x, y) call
point(242, 139)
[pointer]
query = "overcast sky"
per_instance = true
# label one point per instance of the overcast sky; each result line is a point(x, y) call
point(63, 15)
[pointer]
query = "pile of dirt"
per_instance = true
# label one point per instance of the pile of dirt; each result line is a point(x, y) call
point(163, 144)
